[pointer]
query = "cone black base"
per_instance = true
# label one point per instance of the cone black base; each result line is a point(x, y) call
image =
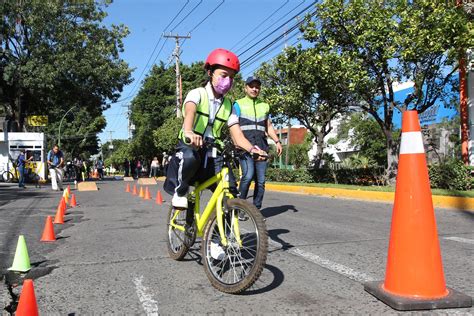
point(454, 299)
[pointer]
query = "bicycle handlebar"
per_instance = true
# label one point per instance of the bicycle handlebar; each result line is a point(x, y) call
point(229, 150)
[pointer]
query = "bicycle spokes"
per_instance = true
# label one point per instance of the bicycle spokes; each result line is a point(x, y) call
point(232, 263)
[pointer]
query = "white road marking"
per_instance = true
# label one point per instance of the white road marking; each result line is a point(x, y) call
point(149, 304)
point(460, 239)
point(325, 263)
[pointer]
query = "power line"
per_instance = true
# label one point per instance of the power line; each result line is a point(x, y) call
point(255, 59)
point(274, 41)
point(253, 70)
point(275, 30)
point(192, 10)
point(264, 20)
point(154, 49)
point(204, 19)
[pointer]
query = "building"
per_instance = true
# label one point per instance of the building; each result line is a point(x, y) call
point(297, 135)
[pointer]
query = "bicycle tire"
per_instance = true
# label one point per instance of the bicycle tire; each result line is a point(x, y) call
point(7, 177)
point(178, 242)
point(256, 219)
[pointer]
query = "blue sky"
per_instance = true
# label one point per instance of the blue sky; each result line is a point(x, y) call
point(232, 21)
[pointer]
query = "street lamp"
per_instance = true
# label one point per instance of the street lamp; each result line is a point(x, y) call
point(60, 123)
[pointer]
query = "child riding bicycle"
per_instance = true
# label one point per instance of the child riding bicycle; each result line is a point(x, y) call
point(205, 111)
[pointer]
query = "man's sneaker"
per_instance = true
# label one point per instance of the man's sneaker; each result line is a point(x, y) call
point(179, 201)
point(217, 252)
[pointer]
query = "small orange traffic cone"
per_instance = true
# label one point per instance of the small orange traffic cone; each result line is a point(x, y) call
point(142, 193)
point(27, 305)
point(128, 188)
point(134, 190)
point(59, 218)
point(73, 202)
point(147, 194)
point(68, 189)
point(159, 198)
point(414, 276)
point(48, 232)
point(63, 204)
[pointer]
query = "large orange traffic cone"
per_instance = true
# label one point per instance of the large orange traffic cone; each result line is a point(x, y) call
point(142, 193)
point(134, 190)
point(59, 218)
point(27, 305)
point(414, 276)
point(159, 198)
point(48, 232)
point(73, 202)
point(127, 189)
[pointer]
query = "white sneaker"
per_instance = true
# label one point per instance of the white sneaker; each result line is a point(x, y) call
point(179, 201)
point(217, 252)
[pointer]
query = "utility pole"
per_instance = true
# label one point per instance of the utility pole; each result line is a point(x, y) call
point(176, 54)
point(111, 146)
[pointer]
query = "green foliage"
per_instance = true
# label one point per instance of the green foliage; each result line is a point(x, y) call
point(118, 154)
point(165, 137)
point(55, 55)
point(364, 134)
point(309, 85)
point(386, 42)
point(451, 175)
point(285, 175)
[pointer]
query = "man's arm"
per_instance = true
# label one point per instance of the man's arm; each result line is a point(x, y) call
point(273, 135)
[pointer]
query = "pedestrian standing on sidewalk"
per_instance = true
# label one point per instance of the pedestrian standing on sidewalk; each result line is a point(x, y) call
point(55, 164)
point(21, 164)
point(256, 125)
point(155, 167)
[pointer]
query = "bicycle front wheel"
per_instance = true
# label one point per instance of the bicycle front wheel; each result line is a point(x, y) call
point(235, 267)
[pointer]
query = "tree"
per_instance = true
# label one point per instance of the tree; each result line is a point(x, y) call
point(55, 55)
point(393, 41)
point(165, 136)
point(309, 85)
point(365, 135)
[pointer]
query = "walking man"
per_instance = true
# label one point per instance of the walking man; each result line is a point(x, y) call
point(21, 162)
point(55, 164)
point(256, 125)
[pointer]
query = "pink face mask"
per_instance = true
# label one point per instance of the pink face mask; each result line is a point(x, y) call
point(223, 85)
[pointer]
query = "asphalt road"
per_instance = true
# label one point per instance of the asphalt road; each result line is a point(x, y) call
point(111, 256)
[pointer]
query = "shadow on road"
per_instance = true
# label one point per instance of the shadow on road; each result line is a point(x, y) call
point(277, 210)
point(13, 194)
point(274, 235)
point(262, 285)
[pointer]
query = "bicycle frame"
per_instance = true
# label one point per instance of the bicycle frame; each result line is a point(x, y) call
point(201, 219)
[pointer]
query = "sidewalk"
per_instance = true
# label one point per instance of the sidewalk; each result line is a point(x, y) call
point(451, 202)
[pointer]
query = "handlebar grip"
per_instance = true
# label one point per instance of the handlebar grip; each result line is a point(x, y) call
point(187, 140)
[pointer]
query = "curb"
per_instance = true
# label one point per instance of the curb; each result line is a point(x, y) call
point(453, 202)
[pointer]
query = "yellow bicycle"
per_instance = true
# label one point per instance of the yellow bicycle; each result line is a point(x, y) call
point(234, 236)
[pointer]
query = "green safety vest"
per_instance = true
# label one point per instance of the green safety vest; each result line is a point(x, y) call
point(253, 120)
point(201, 119)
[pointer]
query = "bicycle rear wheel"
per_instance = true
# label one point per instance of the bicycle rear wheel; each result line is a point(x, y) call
point(235, 267)
point(179, 241)
point(7, 176)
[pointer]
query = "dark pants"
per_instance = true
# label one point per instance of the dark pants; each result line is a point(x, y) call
point(253, 169)
point(21, 171)
point(189, 165)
